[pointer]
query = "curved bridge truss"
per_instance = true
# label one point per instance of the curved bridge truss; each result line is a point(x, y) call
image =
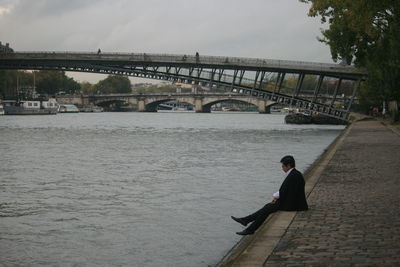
point(260, 78)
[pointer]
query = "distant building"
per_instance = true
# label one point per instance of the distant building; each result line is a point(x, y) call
point(190, 88)
point(142, 85)
point(5, 48)
point(138, 86)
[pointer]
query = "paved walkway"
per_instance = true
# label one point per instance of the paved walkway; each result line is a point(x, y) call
point(354, 216)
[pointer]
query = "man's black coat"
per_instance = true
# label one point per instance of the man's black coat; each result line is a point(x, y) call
point(291, 193)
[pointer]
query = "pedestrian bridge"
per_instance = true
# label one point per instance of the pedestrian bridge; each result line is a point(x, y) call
point(263, 79)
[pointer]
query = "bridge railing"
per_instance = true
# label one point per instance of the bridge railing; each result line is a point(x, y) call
point(193, 59)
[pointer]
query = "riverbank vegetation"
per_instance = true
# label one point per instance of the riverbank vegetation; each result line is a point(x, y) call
point(367, 34)
point(113, 84)
point(51, 83)
point(21, 83)
point(13, 83)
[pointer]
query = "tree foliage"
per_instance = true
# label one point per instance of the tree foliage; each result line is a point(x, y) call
point(113, 84)
point(53, 82)
point(11, 79)
point(367, 33)
point(13, 82)
point(87, 88)
point(154, 89)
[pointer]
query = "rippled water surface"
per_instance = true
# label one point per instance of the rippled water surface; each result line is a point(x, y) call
point(139, 189)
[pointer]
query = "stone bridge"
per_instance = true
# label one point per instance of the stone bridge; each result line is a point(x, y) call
point(149, 102)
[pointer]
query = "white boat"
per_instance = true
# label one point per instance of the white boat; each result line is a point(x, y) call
point(290, 110)
point(68, 108)
point(30, 107)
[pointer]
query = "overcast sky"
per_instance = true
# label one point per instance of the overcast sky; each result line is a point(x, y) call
point(274, 29)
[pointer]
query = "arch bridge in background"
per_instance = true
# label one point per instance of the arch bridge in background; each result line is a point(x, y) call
point(202, 102)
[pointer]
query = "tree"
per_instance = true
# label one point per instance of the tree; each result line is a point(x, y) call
point(154, 89)
point(53, 82)
point(113, 84)
point(367, 33)
point(15, 84)
point(46, 82)
point(87, 88)
point(70, 85)
point(8, 83)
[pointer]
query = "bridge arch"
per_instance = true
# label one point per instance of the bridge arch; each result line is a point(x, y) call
point(210, 101)
point(208, 104)
point(152, 106)
point(150, 103)
point(263, 105)
point(112, 104)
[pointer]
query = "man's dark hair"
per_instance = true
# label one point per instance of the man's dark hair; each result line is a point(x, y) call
point(288, 160)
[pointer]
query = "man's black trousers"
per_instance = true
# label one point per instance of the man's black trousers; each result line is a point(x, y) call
point(259, 216)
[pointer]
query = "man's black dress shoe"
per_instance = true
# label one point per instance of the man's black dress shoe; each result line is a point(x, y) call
point(239, 220)
point(244, 232)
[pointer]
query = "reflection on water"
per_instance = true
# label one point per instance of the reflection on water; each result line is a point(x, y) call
point(138, 189)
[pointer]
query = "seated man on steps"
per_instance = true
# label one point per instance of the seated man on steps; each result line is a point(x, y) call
point(290, 197)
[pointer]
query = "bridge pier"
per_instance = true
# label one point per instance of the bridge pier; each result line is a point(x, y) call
point(264, 107)
point(199, 107)
point(141, 105)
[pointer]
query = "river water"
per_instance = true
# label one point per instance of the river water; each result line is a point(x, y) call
point(139, 189)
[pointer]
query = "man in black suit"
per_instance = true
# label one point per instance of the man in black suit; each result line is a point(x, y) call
point(290, 197)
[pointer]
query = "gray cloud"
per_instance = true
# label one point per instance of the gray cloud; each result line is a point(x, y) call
point(254, 28)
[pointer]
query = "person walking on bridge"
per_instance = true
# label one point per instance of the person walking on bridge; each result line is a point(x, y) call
point(290, 197)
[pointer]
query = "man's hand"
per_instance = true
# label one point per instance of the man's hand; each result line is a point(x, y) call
point(273, 201)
